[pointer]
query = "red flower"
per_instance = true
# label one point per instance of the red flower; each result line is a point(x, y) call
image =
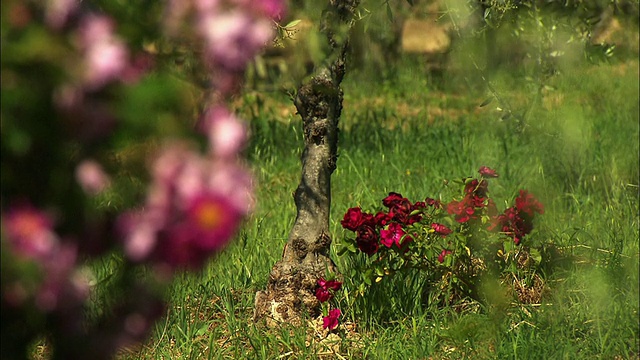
point(367, 239)
point(353, 219)
point(381, 219)
point(513, 223)
point(394, 199)
point(442, 255)
point(434, 203)
point(323, 292)
point(487, 172)
point(392, 235)
point(330, 284)
point(331, 321)
point(528, 203)
point(441, 229)
point(400, 209)
point(464, 210)
point(477, 188)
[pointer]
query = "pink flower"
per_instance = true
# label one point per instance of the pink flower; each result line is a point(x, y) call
point(92, 177)
point(382, 219)
point(441, 229)
point(275, 9)
point(58, 12)
point(331, 321)
point(208, 224)
point(442, 255)
point(392, 235)
point(193, 208)
point(29, 231)
point(227, 134)
point(204, 5)
point(487, 172)
point(233, 38)
point(141, 234)
point(106, 56)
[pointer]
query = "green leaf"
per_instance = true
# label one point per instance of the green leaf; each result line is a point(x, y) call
point(448, 260)
point(389, 12)
point(486, 102)
point(508, 245)
point(535, 255)
point(292, 23)
point(378, 270)
point(367, 277)
point(343, 249)
point(202, 329)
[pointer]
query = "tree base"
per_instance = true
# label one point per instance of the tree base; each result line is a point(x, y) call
point(289, 297)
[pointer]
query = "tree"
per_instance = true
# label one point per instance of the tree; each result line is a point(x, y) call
point(293, 279)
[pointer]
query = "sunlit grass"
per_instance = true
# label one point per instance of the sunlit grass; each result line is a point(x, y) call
point(577, 151)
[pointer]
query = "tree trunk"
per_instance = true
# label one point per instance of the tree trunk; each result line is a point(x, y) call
point(290, 292)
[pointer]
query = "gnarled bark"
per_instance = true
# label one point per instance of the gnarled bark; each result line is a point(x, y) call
point(292, 281)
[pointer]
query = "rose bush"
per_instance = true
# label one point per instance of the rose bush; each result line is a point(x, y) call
point(451, 243)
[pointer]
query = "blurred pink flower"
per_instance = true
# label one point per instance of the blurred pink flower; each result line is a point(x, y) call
point(275, 9)
point(62, 284)
point(29, 231)
point(233, 38)
point(193, 208)
point(206, 5)
point(106, 56)
point(206, 227)
point(141, 235)
point(234, 182)
point(325, 289)
point(227, 134)
point(57, 12)
point(91, 177)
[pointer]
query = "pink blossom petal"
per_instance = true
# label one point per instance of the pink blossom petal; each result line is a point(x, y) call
point(92, 177)
point(226, 132)
point(30, 232)
point(58, 11)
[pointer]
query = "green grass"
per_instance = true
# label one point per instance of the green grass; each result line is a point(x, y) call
point(577, 151)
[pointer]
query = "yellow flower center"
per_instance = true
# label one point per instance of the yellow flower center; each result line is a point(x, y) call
point(209, 215)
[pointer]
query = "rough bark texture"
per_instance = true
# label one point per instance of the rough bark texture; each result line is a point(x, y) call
point(290, 292)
